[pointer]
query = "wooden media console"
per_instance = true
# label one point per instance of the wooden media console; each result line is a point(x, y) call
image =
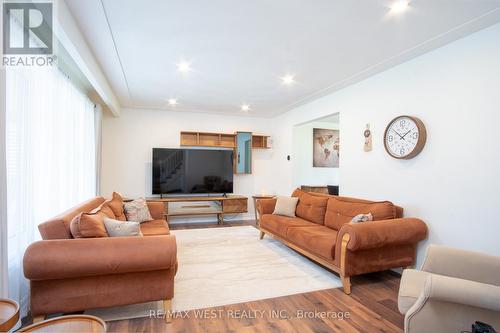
point(204, 205)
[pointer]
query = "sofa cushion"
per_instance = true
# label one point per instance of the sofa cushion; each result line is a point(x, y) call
point(154, 228)
point(88, 225)
point(279, 224)
point(116, 204)
point(319, 240)
point(340, 211)
point(311, 207)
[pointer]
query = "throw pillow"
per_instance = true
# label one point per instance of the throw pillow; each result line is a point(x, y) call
point(105, 209)
point(88, 225)
point(286, 206)
point(362, 218)
point(137, 211)
point(116, 204)
point(117, 228)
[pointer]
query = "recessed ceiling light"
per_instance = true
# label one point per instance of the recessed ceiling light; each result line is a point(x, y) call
point(288, 79)
point(184, 66)
point(172, 101)
point(245, 107)
point(399, 6)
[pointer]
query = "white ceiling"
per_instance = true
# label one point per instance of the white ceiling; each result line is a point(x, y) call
point(240, 49)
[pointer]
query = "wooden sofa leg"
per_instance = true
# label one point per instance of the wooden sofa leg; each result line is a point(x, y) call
point(262, 234)
point(346, 282)
point(167, 307)
point(39, 318)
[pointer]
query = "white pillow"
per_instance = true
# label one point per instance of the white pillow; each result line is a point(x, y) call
point(362, 218)
point(117, 228)
point(286, 206)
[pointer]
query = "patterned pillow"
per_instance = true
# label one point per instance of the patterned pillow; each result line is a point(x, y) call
point(137, 211)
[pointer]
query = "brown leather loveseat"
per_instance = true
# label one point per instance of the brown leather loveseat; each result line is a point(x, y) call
point(322, 232)
point(68, 274)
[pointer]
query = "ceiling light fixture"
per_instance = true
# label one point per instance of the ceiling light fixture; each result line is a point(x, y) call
point(399, 6)
point(245, 107)
point(184, 66)
point(172, 101)
point(288, 79)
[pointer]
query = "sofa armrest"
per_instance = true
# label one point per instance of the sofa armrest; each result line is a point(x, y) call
point(71, 258)
point(451, 262)
point(375, 234)
point(448, 304)
point(452, 290)
point(157, 210)
point(266, 206)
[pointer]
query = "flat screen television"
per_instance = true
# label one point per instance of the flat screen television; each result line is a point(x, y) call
point(192, 171)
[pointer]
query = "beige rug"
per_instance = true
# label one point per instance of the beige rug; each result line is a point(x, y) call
point(220, 266)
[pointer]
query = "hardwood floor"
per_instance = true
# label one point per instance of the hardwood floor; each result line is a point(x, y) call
point(371, 307)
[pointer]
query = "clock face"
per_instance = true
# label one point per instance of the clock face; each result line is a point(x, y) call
point(405, 137)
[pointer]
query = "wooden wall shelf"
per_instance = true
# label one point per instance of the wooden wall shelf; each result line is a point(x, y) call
point(223, 140)
point(260, 141)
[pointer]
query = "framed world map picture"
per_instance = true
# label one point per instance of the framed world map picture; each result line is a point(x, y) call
point(326, 148)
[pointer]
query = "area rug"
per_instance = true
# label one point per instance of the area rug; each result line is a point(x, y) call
point(221, 266)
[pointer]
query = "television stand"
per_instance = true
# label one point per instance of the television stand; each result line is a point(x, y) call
point(203, 205)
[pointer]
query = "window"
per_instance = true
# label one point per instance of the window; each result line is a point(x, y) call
point(51, 158)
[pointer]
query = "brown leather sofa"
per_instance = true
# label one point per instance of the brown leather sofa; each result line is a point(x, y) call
point(68, 275)
point(322, 232)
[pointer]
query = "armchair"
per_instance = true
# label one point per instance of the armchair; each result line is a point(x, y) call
point(453, 289)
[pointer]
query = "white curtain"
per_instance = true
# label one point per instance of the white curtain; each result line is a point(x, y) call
point(3, 193)
point(98, 145)
point(51, 159)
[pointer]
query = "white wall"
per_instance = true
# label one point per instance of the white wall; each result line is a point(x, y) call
point(303, 171)
point(127, 143)
point(453, 184)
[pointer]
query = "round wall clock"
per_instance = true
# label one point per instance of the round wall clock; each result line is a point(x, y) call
point(405, 137)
